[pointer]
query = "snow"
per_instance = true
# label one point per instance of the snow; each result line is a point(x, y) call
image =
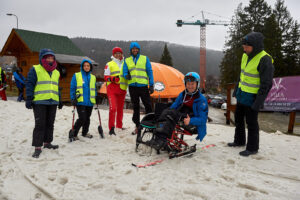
point(101, 168)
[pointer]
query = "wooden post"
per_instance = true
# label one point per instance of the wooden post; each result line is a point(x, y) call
point(230, 107)
point(292, 122)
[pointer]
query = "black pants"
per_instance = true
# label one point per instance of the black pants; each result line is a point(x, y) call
point(135, 94)
point(251, 115)
point(84, 114)
point(44, 116)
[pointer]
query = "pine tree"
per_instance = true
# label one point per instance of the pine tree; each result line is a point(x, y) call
point(166, 57)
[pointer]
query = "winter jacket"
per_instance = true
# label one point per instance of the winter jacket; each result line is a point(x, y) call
point(266, 71)
point(113, 87)
point(86, 77)
point(135, 59)
point(200, 111)
point(19, 79)
point(30, 85)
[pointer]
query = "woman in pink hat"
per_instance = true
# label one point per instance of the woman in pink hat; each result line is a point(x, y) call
point(116, 89)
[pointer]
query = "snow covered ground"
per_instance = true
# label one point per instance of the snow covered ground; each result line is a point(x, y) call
point(101, 168)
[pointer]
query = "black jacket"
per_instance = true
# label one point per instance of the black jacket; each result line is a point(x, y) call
point(265, 69)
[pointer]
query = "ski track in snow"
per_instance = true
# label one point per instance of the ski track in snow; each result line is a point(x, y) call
point(101, 168)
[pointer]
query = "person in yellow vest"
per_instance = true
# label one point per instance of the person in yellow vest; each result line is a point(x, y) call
point(137, 70)
point(116, 89)
point(84, 84)
point(251, 91)
point(2, 85)
point(42, 91)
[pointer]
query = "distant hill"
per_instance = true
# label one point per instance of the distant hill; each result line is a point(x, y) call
point(185, 58)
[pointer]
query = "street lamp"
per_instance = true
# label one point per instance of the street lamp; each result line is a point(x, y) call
point(10, 14)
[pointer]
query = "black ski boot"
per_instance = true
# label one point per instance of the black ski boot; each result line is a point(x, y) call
point(37, 153)
point(50, 146)
point(112, 131)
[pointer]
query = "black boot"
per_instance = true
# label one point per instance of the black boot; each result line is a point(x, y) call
point(112, 131)
point(233, 144)
point(247, 153)
point(50, 146)
point(37, 153)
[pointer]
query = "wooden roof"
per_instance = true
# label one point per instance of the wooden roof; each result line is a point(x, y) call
point(35, 41)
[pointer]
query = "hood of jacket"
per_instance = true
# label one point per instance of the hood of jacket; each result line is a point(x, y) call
point(256, 40)
point(135, 44)
point(81, 66)
point(44, 52)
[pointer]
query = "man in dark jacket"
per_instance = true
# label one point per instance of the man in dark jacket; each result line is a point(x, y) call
point(254, 85)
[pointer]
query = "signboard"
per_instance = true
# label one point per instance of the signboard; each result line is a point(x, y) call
point(284, 95)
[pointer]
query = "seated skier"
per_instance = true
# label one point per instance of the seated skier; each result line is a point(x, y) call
point(190, 107)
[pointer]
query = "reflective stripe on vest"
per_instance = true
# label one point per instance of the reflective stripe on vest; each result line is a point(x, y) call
point(46, 87)
point(80, 88)
point(137, 71)
point(249, 77)
point(114, 70)
point(0, 74)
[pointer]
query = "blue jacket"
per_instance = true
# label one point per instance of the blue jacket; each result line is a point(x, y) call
point(19, 79)
point(135, 59)
point(86, 77)
point(30, 85)
point(200, 110)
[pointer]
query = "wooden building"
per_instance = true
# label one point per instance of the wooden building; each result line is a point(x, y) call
point(25, 46)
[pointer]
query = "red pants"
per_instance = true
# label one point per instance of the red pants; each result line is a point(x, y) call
point(2, 94)
point(116, 104)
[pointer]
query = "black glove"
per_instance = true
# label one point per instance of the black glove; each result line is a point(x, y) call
point(60, 105)
point(98, 100)
point(151, 89)
point(28, 103)
point(128, 77)
point(4, 87)
point(74, 102)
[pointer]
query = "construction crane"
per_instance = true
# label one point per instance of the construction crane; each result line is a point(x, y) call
point(202, 25)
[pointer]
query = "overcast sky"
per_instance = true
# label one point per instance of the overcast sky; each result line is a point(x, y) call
point(125, 19)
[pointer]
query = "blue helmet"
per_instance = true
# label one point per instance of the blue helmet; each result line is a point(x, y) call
point(191, 77)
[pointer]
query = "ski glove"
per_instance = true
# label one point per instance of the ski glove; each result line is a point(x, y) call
point(74, 102)
point(115, 79)
point(128, 77)
point(151, 89)
point(60, 105)
point(28, 103)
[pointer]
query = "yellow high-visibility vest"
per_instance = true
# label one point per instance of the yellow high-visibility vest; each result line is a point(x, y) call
point(46, 87)
point(80, 88)
point(249, 77)
point(137, 71)
point(114, 70)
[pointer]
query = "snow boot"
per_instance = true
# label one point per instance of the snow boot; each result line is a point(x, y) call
point(37, 153)
point(50, 146)
point(247, 153)
point(233, 144)
point(112, 131)
point(87, 136)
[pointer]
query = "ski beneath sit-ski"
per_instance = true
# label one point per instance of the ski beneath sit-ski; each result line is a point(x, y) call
point(152, 163)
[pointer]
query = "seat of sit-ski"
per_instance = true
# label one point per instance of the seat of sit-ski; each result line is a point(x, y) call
point(148, 120)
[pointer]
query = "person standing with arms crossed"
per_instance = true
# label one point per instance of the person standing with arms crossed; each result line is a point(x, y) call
point(254, 85)
point(137, 70)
